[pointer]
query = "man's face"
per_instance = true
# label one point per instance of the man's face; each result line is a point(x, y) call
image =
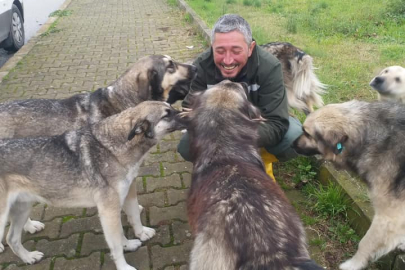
point(231, 53)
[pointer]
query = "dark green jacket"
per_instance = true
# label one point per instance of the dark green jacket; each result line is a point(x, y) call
point(263, 74)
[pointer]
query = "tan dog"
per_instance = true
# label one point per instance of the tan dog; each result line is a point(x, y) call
point(368, 139)
point(303, 87)
point(390, 84)
point(91, 167)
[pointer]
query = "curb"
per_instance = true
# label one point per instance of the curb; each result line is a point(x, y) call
point(201, 25)
point(18, 56)
point(361, 214)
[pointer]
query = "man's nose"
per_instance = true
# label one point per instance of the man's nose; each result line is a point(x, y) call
point(228, 59)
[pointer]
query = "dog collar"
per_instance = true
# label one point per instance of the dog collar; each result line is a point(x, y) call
point(339, 147)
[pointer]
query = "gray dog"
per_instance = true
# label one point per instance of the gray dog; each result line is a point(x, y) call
point(94, 167)
point(150, 78)
point(240, 217)
point(368, 139)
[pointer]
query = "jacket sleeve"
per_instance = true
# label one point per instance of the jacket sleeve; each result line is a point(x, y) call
point(272, 102)
point(198, 84)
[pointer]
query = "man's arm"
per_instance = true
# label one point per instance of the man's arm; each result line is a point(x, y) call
point(272, 102)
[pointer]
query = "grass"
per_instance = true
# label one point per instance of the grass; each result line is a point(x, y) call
point(60, 13)
point(349, 47)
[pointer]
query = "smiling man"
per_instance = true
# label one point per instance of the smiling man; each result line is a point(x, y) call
point(233, 55)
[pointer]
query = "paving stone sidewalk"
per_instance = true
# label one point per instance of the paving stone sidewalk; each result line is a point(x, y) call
point(90, 48)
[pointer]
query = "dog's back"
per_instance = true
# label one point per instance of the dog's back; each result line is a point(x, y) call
point(236, 208)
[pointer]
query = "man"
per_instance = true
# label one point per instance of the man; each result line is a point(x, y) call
point(233, 55)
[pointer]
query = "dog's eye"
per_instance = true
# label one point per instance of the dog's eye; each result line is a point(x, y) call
point(171, 68)
point(398, 80)
point(168, 113)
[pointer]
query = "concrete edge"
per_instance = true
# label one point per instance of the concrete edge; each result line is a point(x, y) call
point(201, 25)
point(18, 56)
point(355, 190)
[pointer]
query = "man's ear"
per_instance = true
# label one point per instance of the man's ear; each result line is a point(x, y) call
point(251, 47)
point(142, 126)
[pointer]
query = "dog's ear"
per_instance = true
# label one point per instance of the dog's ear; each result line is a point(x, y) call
point(335, 140)
point(142, 126)
point(155, 82)
point(253, 113)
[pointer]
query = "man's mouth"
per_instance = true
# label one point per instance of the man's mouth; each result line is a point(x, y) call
point(230, 67)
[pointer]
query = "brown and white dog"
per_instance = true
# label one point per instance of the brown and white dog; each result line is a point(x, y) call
point(239, 216)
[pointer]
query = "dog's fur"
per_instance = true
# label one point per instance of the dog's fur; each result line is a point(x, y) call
point(368, 139)
point(303, 87)
point(90, 167)
point(239, 216)
point(150, 78)
point(390, 84)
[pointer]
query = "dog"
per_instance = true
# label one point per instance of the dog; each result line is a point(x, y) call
point(239, 216)
point(150, 78)
point(94, 167)
point(366, 138)
point(303, 87)
point(390, 84)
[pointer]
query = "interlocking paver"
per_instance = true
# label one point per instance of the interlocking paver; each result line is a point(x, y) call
point(165, 256)
point(166, 214)
point(96, 43)
point(153, 183)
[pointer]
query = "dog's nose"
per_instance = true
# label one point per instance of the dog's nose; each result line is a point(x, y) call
point(378, 80)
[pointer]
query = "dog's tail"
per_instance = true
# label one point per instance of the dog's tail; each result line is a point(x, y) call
point(306, 85)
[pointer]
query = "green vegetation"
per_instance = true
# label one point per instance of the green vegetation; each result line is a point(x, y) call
point(60, 13)
point(348, 46)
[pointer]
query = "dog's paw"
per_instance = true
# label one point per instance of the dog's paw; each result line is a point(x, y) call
point(33, 226)
point(126, 267)
point(351, 265)
point(132, 245)
point(33, 257)
point(140, 208)
point(1, 247)
point(146, 234)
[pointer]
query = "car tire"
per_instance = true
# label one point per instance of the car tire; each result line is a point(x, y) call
point(16, 38)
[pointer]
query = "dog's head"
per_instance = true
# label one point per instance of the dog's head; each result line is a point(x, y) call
point(224, 96)
point(152, 120)
point(144, 124)
point(165, 73)
point(154, 76)
point(325, 132)
point(390, 83)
